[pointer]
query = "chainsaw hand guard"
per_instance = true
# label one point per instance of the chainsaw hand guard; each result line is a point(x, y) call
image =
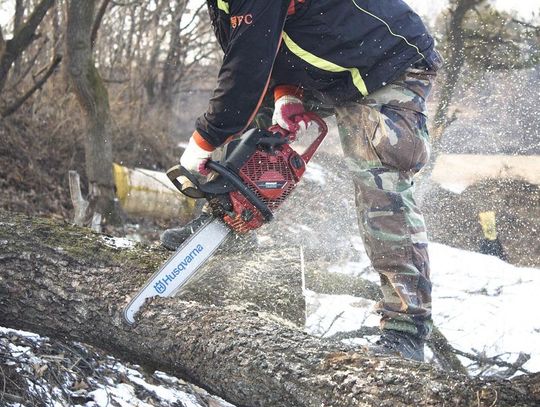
point(190, 189)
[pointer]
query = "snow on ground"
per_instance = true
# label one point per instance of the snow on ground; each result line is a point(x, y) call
point(118, 242)
point(330, 314)
point(480, 303)
point(486, 304)
point(38, 371)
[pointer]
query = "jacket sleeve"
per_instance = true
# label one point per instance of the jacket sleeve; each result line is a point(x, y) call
point(255, 36)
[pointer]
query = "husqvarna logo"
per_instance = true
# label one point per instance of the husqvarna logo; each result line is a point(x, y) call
point(160, 287)
point(163, 283)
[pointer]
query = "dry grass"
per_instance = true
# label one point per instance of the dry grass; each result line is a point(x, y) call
point(45, 139)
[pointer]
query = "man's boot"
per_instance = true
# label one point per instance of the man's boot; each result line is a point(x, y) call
point(398, 343)
point(173, 238)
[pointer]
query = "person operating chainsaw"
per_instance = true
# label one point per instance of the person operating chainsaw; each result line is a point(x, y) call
point(370, 63)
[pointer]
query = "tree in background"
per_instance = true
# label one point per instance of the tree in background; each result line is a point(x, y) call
point(11, 52)
point(495, 41)
point(150, 54)
point(93, 98)
point(454, 51)
point(161, 48)
point(478, 38)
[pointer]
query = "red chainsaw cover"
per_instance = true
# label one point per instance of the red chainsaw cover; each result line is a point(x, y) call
point(272, 176)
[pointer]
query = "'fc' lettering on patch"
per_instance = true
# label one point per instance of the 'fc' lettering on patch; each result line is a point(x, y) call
point(237, 21)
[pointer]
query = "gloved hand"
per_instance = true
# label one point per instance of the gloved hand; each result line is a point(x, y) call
point(196, 155)
point(289, 109)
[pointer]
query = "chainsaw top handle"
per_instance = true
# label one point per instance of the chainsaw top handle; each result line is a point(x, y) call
point(323, 131)
point(192, 189)
point(200, 190)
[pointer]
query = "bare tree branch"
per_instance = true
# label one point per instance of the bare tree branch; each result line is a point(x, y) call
point(22, 39)
point(97, 21)
point(526, 24)
point(18, 103)
point(17, 78)
point(486, 360)
point(17, 22)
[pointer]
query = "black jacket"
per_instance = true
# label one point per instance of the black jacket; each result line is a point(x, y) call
point(339, 49)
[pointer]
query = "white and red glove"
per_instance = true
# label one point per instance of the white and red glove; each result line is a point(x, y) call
point(289, 109)
point(196, 154)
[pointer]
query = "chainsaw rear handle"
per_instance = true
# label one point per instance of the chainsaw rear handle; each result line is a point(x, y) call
point(289, 137)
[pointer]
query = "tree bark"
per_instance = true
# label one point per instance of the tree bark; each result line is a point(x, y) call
point(172, 62)
point(94, 100)
point(97, 21)
point(2, 44)
point(17, 22)
point(64, 281)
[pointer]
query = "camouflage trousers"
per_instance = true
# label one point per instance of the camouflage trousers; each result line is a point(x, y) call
point(385, 142)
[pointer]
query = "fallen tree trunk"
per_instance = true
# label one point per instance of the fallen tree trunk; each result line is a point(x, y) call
point(63, 281)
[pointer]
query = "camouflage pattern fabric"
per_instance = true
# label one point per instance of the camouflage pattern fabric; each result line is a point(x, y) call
point(386, 142)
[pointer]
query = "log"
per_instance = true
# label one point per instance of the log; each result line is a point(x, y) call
point(64, 281)
point(456, 172)
point(320, 280)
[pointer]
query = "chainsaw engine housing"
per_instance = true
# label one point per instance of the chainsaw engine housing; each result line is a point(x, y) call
point(269, 167)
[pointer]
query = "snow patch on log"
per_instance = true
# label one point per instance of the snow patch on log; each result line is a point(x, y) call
point(118, 242)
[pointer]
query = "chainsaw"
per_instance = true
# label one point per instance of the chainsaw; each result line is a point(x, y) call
point(258, 173)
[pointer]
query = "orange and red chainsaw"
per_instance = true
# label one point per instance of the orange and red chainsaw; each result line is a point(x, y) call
point(259, 171)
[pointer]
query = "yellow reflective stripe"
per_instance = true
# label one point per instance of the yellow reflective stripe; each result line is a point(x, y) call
point(324, 64)
point(223, 6)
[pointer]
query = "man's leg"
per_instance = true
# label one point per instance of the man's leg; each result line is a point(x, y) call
point(384, 146)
